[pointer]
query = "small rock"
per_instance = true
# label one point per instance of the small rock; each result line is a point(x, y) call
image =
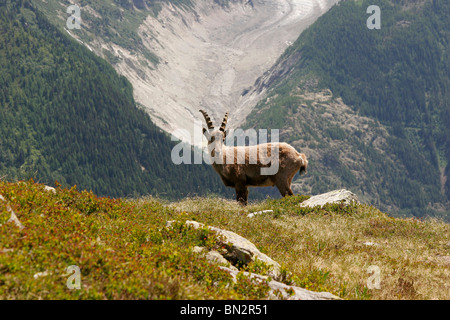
point(49, 189)
point(40, 274)
point(198, 249)
point(444, 259)
point(14, 219)
point(368, 243)
point(258, 212)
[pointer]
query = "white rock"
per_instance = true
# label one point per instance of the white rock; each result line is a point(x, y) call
point(198, 249)
point(258, 212)
point(41, 274)
point(49, 189)
point(444, 259)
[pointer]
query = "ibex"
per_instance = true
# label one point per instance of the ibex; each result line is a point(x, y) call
point(239, 170)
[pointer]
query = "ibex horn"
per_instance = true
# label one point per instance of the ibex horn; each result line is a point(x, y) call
point(224, 123)
point(208, 120)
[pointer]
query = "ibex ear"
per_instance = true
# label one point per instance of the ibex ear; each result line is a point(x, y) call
point(207, 134)
point(225, 133)
point(304, 167)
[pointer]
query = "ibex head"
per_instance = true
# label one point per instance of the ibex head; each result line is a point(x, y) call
point(215, 135)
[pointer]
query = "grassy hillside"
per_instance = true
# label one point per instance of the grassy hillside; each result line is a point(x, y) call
point(370, 107)
point(125, 251)
point(66, 115)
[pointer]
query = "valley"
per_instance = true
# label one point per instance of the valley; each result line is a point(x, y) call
point(208, 53)
point(212, 55)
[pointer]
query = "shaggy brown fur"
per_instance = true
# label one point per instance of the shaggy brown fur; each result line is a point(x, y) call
point(240, 173)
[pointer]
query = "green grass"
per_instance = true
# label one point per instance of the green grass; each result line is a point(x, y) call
point(125, 251)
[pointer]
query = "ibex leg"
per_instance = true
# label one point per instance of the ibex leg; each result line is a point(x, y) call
point(241, 194)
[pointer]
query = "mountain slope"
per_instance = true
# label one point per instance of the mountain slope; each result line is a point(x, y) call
point(125, 250)
point(370, 107)
point(66, 115)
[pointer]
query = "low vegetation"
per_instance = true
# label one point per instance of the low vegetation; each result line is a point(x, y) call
point(125, 251)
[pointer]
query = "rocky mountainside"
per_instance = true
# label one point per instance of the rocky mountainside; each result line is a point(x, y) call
point(183, 55)
point(369, 107)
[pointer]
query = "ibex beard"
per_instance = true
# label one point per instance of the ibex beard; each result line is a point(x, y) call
point(262, 165)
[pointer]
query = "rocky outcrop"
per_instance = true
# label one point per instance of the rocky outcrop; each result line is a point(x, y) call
point(279, 290)
point(241, 251)
point(337, 196)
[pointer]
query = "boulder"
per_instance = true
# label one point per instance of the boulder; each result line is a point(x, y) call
point(337, 196)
